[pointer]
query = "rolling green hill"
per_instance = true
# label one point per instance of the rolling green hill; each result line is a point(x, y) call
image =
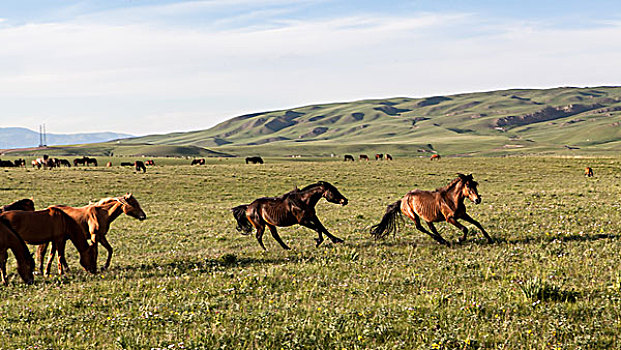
point(559, 120)
point(519, 121)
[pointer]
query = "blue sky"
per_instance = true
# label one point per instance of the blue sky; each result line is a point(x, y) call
point(140, 66)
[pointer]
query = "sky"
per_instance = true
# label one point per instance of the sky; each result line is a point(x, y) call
point(157, 66)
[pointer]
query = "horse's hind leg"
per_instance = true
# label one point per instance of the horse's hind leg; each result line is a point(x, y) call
point(259, 234)
point(274, 233)
point(41, 249)
point(478, 225)
point(436, 235)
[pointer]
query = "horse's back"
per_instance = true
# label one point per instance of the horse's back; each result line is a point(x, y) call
point(425, 204)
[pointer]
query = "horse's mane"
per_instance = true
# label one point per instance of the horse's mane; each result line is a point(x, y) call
point(452, 184)
point(107, 200)
point(313, 186)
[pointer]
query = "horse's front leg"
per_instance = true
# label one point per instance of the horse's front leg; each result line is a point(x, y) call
point(41, 249)
point(314, 224)
point(48, 266)
point(3, 258)
point(274, 233)
point(478, 225)
point(60, 248)
point(464, 229)
point(104, 242)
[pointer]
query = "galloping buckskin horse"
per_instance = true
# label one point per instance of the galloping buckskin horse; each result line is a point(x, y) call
point(9, 239)
point(443, 204)
point(52, 225)
point(25, 204)
point(95, 220)
point(294, 207)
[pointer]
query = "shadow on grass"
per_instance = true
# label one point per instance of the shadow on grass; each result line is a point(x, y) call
point(226, 261)
point(550, 239)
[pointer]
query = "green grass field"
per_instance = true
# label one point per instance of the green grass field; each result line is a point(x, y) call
point(185, 278)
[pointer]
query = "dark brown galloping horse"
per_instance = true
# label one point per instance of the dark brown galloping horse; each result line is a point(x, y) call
point(295, 207)
point(95, 220)
point(9, 239)
point(443, 204)
point(51, 225)
point(25, 204)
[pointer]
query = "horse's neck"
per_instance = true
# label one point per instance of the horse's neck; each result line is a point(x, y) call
point(454, 194)
point(17, 246)
point(312, 195)
point(113, 209)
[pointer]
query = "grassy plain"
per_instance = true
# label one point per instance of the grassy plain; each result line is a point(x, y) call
point(184, 278)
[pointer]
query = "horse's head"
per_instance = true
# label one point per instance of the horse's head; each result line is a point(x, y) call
point(131, 207)
point(26, 270)
point(469, 188)
point(88, 259)
point(331, 194)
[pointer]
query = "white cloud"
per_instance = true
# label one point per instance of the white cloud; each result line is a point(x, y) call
point(147, 77)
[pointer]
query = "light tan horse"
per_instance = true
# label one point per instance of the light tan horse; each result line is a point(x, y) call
point(9, 239)
point(444, 204)
point(52, 225)
point(95, 220)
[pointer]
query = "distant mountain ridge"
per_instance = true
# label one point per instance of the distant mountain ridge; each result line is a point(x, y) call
point(14, 137)
point(495, 122)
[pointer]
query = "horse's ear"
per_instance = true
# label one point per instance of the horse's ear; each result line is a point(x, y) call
point(128, 195)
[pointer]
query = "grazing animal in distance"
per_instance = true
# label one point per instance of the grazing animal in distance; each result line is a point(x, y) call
point(200, 161)
point(294, 207)
point(140, 166)
point(64, 162)
point(363, 157)
point(25, 204)
point(7, 164)
point(443, 204)
point(9, 239)
point(254, 160)
point(95, 220)
point(349, 157)
point(109, 165)
point(588, 172)
point(379, 156)
point(388, 156)
point(20, 162)
point(435, 156)
point(52, 225)
point(149, 162)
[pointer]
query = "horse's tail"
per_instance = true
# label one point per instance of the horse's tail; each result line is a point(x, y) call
point(243, 225)
point(389, 221)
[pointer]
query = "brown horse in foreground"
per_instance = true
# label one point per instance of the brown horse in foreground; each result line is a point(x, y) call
point(295, 207)
point(52, 225)
point(95, 220)
point(25, 204)
point(9, 239)
point(443, 204)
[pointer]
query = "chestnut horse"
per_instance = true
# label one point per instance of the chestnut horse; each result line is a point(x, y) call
point(52, 225)
point(443, 204)
point(95, 220)
point(295, 207)
point(25, 204)
point(9, 239)
point(435, 156)
point(588, 172)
